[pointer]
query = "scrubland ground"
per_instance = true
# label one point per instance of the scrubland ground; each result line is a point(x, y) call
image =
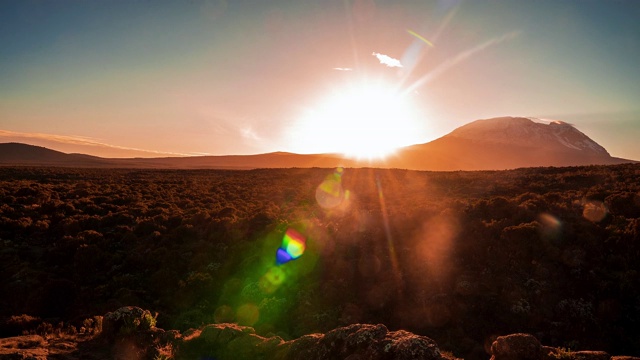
point(461, 257)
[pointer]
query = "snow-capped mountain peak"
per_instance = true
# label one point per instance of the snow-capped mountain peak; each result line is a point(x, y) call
point(530, 132)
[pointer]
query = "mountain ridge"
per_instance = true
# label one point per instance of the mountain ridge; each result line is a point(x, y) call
point(487, 144)
point(531, 130)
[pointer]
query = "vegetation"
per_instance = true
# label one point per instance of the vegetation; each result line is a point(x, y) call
point(458, 256)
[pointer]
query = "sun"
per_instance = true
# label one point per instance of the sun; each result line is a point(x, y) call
point(364, 121)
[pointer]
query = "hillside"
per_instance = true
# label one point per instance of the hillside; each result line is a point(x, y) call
point(130, 332)
point(23, 154)
point(492, 144)
point(506, 143)
point(456, 256)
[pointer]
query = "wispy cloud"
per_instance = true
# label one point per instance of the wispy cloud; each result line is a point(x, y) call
point(250, 134)
point(387, 60)
point(77, 140)
point(342, 69)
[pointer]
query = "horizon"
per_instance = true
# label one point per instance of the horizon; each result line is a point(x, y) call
point(383, 160)
point(129, 79)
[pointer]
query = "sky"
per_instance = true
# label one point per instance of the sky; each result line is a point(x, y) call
point(166, 78)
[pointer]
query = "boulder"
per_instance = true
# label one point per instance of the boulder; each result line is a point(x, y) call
point(516, 347)
point(127, 320)
point(590, 355)
point(357, 341)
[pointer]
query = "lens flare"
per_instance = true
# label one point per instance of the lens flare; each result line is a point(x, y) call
point(271, 281)
point(365, 119)
point(594, 211)
point(551, 227)
point(419, 37)
point(387, 230)
point(330, 193)
point(293, 246)
point(247, 314)
point(436, 244)
point(223, 314)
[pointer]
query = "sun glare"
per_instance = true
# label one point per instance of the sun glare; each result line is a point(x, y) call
point(368, 121)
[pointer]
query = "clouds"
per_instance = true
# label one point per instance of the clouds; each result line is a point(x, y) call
point(75, 140)
point(249, 133)
point(387, 60)
point(79, 144)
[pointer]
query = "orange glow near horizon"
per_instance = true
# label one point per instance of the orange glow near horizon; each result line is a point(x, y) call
point(241, 79)
point(364, 121)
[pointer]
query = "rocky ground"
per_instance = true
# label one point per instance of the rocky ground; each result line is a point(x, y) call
point(130, 333)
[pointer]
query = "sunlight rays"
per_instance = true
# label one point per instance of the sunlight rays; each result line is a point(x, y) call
point(395, 268)
point(462, 56)
point(368, 118)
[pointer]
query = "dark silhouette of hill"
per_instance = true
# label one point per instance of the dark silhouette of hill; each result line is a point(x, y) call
point(269, 160)
point(492, 144)
point(23, 154)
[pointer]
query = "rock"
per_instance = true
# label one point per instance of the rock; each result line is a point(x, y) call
point(248, 343)
point(25, 354)
point(16, 325)
point(590, 355)
point(516, 347)
point(348, 339)
point(130, 331)
point(363, 341)
point(305, 348)
point(269, 345)
point(35, 347)
point(225, 341)
point(405, 345)
point(550, 353)
point(127, 320)
point(23, 342)
point(171, 335)
point(210, 333)
point(358, 341)
point(229, 332)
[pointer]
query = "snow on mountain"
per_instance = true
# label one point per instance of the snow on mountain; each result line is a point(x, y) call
point(533, 132)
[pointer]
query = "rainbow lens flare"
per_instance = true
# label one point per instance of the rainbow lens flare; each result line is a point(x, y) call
point(329, 194)
point(271, 281)
point(293, 246)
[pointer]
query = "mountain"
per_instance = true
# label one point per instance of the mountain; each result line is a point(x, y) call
point(269, 160)
point(556, 136)
point(31, 155)
point(507, 143)
point(490, 144)
point(23, 154)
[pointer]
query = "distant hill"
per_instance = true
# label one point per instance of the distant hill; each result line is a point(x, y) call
point(491, 144)
point(23, 154)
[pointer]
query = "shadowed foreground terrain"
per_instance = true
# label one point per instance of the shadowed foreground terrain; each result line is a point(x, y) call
point(130, 333)
point(460, 257)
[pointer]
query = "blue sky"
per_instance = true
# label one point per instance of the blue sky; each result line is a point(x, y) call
point(122, 78)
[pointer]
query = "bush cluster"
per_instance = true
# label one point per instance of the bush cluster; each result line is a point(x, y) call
point(458, 256)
